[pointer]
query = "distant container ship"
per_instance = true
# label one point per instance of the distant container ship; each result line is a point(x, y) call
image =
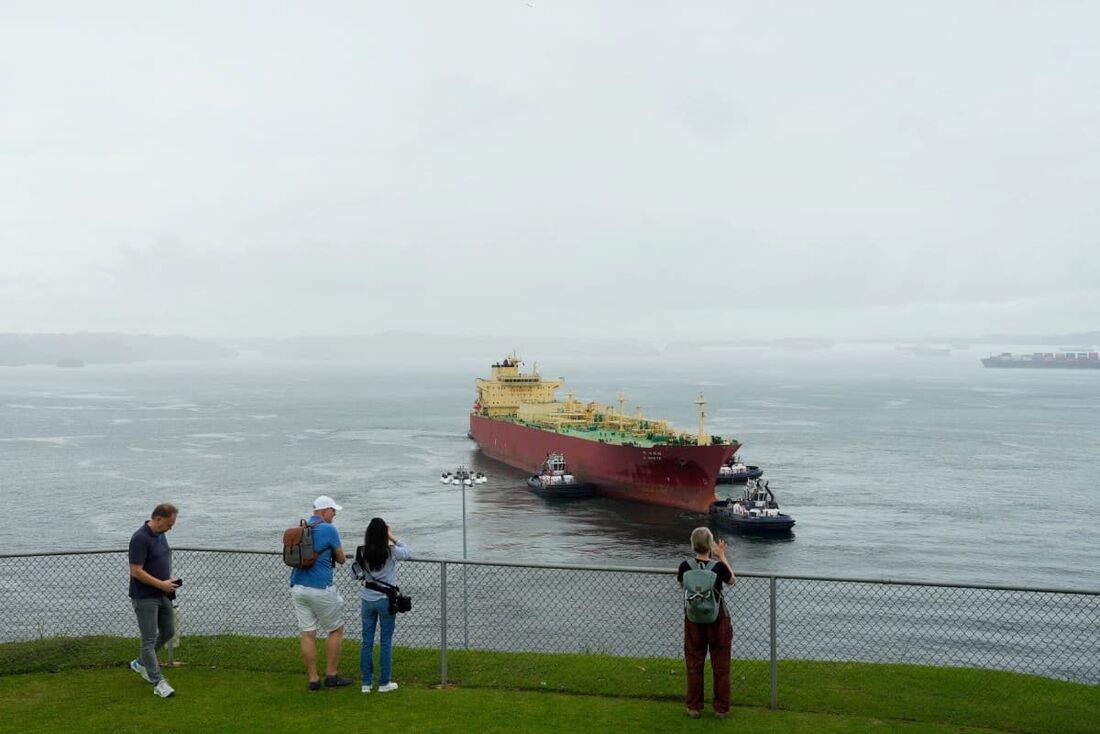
point(517, 419)
point(1046, 360)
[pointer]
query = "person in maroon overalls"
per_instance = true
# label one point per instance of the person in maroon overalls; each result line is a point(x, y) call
point(716, 637)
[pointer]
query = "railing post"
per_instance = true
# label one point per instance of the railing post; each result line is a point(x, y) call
point(443, 623)
point(465, 612)
point(774, 702)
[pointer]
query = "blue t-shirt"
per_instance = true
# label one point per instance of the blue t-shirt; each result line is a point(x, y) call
point(151, 552)
point(319, 575)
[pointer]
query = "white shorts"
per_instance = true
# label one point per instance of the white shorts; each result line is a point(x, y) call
point(317, 609)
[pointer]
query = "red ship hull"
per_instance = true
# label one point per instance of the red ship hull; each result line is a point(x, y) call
point(674, 476)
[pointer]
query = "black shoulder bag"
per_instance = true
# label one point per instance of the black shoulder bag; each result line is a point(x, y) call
point(398, 601)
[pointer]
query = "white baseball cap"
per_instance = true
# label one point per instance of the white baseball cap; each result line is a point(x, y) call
point(324, 502)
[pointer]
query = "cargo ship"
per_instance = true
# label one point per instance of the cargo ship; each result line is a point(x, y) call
point(1046, 360)
point(519, 420)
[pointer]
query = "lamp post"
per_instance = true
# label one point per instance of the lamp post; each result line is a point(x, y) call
point(463, 477)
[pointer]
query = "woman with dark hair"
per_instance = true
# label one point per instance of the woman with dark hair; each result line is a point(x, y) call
point(378, 557)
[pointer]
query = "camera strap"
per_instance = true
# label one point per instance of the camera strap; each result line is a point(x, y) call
point(371, 581)
point(376, 584)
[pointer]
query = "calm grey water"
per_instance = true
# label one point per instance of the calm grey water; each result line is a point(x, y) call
point(894, 466)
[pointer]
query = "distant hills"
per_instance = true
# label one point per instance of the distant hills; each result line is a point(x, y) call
point(74, 350)
point(416, 346)
point(784, 343)
point(928, 343)
point(1087, 338)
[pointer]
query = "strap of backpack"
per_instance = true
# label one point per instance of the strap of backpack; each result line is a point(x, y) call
point(312, 525)
point(712, 564)
point(701, 566)
point(709, 566)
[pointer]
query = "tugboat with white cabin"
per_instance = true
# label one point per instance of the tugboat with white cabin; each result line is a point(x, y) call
point(735, 471)
point(555, 481)
point(755, 511)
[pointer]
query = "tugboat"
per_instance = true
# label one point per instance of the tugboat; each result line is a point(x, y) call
point(554, 480)
point(736, 471)
point(755, 511)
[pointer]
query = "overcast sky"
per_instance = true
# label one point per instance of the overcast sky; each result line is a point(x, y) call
point(631, 169)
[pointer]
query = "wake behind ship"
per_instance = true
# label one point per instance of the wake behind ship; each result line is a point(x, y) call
point(518, 420)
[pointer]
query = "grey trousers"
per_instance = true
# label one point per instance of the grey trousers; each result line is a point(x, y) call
point(156, 620)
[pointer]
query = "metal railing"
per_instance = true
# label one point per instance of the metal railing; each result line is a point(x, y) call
point(619, 611)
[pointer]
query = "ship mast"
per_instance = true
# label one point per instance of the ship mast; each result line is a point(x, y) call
point(622, 416)
point(703, 439)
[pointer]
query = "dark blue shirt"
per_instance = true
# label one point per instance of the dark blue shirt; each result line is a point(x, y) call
point(152, 553)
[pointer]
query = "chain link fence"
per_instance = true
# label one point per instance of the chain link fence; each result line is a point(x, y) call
point(782, 622)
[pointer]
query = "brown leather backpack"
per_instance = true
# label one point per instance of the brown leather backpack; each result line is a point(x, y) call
point(298, 545)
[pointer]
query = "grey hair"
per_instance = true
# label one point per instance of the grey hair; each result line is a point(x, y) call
point(702, 541)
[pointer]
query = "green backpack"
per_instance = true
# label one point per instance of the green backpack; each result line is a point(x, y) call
point(701, 601)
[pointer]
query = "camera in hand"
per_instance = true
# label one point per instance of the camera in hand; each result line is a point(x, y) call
point(177, 583)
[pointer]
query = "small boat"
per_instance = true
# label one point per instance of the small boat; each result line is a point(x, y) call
point(736, 471)
point(755, 511)
point(554, 480)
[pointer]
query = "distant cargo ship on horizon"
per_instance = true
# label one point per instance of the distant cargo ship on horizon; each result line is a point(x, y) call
point(517, 419)
point(1045, 360)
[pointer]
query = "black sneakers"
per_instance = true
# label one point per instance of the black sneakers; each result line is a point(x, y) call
point(331, 681)
point(336, 681)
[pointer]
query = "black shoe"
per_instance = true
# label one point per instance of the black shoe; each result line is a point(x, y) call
point(335, 681)
point(315, 685)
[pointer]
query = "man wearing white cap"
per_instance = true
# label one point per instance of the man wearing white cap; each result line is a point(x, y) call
point(317, 603)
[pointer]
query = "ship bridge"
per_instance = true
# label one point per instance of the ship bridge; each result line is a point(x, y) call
point(508, 388)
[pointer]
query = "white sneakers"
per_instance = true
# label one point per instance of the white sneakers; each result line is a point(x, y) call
point(164, 690)
point(365, 689)
point(137, 667)
point(391, 686)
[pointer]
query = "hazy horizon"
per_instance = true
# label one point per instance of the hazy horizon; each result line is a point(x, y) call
point(480, 342)
point(559, 169)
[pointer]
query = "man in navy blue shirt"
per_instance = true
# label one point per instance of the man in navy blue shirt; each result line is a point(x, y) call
point(151, 583)
point(317, 603)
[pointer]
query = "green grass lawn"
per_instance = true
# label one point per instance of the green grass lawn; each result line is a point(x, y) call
point(237, 684)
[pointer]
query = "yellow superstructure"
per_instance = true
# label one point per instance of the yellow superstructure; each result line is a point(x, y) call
point(525, 397)
point(508, 389)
